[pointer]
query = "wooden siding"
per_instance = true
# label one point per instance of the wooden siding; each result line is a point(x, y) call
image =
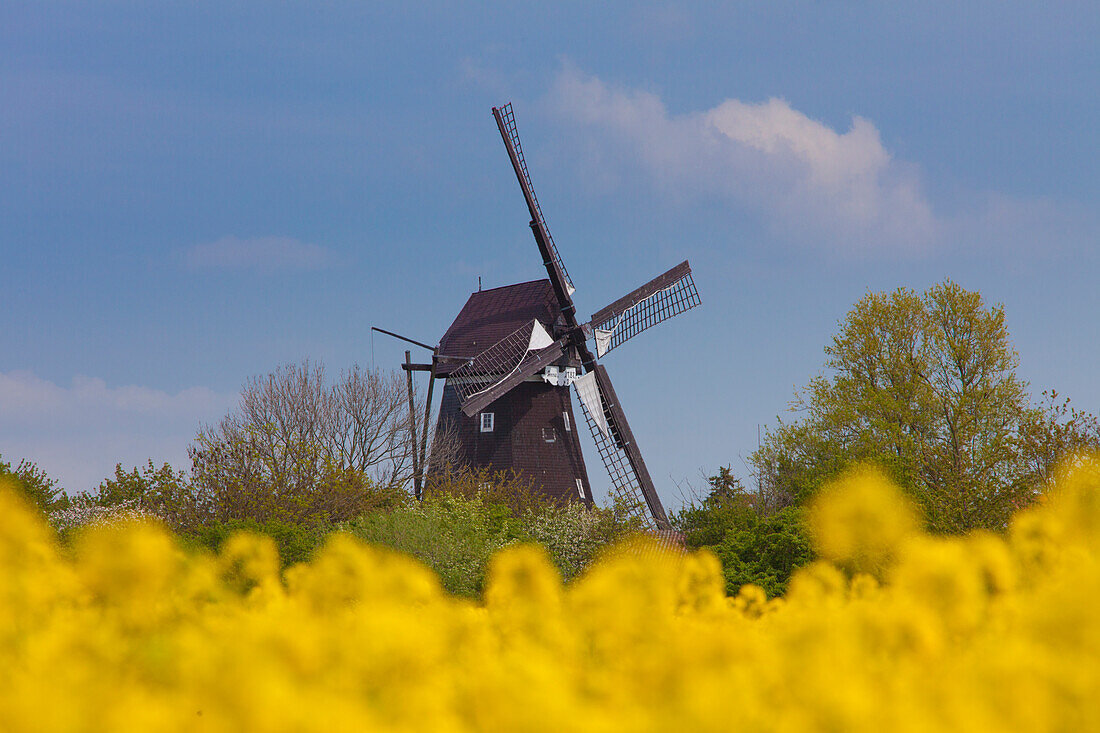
point(524, 418)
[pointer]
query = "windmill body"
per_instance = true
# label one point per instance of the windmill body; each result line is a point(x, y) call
point(531, 429)
point(511, 355)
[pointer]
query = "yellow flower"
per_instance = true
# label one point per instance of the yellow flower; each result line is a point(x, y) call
point(859, 521)
point(127, 632)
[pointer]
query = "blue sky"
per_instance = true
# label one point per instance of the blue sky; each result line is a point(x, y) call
point(193, 193)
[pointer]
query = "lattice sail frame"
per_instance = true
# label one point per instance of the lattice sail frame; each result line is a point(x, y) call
point(513, 135)
point(616, 328)
point(496, 363)
point(625, 486)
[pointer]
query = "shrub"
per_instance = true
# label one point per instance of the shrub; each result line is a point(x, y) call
point(163, 491)
point(753, 549)
point(573, 535)
point(295, 542)
point(764, 551)
point(84, 511)
point(514, 492)
point(453, 535)
point(336, 495)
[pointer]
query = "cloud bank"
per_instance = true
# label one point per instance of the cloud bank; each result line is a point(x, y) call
point(263, 254)
point(78, 433)
point(837, 190)
point(802, 176)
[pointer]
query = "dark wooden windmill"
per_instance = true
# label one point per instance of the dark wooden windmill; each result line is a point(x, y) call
point(512, 353)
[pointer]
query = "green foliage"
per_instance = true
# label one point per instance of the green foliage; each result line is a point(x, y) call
point(508, 490)
point(451, 534)
point(573, 535)
point(727, 506)
point(467, 516)
point(924, 386)
point(39, 488)
point(161, 491)
point(296, 541)
point(763, 550)
point(336, 495)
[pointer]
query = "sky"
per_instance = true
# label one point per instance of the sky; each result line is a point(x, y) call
point(195, 193)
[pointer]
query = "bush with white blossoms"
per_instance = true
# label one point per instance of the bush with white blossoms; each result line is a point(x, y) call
point(83, 511)
point(573, 535)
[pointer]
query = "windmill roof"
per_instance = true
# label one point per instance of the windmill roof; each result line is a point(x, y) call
point(490, 315)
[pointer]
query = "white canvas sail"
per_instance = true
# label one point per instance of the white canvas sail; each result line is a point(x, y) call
point(540, 339)
point(589, 392)
point(603, 338)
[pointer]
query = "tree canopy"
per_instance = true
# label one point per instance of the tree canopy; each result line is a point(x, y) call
point(925, 385)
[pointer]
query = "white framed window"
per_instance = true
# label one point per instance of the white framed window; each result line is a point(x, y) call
point(487, 421)
point(565, 417)
point(580, 488)
point(550, 435)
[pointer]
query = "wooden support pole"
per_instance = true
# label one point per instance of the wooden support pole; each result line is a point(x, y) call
point(424, 434)
point(412, 427)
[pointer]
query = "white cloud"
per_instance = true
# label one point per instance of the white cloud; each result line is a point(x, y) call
point(78, 433)
point(806, 179)
point(265, 254)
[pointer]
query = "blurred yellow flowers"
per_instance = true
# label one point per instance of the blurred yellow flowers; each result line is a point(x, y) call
point(891, 630)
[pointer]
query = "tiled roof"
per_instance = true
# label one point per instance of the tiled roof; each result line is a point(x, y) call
point(490, 315)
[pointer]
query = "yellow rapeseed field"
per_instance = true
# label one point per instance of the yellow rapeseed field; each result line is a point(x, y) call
point(892, 631)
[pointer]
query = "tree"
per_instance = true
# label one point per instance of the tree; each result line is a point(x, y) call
point(298, 445)
point(39, 488)
point(925, 385)
point(163, 492)
point(753, 544)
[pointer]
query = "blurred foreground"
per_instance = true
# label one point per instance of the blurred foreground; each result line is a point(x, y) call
point(892, 630)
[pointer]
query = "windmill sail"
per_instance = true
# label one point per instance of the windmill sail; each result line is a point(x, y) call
point(502, 366)
point(630, 479)
point(589, 393)
point(658, 300)
point(506, 122)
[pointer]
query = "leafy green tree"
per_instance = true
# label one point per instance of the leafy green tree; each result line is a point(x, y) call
point(162, 491)
point(925, 386)
point(39, 488)
point(753, 548)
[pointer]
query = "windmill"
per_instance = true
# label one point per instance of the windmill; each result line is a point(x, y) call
point(511, 355)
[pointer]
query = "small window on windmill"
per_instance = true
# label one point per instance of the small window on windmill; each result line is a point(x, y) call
point(565, 417)
point(487, 422)
point(580, 488)
point(549, 435)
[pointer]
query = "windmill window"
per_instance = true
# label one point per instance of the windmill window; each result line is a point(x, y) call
point(580, 489)
point(549, 435)
point(487, 420)
point(565, 417)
